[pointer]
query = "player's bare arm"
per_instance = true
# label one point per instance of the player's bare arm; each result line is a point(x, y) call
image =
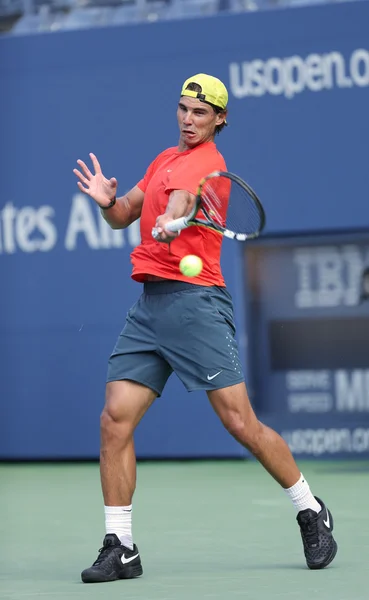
point(180, 204)
point(124, 211)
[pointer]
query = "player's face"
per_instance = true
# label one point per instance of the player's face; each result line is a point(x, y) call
point(197, 122)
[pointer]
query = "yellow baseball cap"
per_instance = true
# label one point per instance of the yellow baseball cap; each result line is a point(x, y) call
point(213, 91)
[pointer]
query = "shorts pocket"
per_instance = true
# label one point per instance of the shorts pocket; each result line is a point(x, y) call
point(223, 310)
point(132, 311)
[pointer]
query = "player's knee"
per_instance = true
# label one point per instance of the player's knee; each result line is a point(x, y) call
point(114, 423)
point(249, 434)
point(114, 430)
point(115, 409)
point(235, 424)
point(111, 414)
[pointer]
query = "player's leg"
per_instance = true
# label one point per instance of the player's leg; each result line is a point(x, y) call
point(136, 376)
point(202, 349)
point(126, 403)
point(316, 524)
point(233, 407)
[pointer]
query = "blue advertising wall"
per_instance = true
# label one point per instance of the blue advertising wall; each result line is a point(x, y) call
point(310, 332)
point(299, 131)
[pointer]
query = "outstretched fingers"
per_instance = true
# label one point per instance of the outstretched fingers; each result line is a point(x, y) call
point(81, 176)
point(95, 163)
point(84, 168)
point(82, 188)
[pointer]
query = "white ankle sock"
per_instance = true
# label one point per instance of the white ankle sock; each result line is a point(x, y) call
point(301, 496)
point(118, 520)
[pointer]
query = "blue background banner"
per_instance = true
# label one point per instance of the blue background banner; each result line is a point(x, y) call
point(309, 332)
point(299, 131)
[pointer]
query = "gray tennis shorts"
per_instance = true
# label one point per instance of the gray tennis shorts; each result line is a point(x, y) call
point(180, 327)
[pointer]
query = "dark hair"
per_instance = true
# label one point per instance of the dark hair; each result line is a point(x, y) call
point(195, 87)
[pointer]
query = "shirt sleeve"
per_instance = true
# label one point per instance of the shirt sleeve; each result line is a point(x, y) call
point(189, 173)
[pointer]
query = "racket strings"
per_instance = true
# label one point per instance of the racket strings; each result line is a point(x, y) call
point(243, 214)
point(230, 205)
point(213, 206)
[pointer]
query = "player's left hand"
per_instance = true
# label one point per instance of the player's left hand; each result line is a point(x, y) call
point(165, 236)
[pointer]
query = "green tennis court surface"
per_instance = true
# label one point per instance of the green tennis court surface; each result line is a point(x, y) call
point(212, 530)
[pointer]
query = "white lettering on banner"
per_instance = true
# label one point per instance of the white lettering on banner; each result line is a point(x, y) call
point(82, 222)
point(359, 67)
point(8, 215)
point(114, 238)
point(294, 74)
point(47, 228)
point(307, 380)
point(329, 276)
point(304, 396)
point(27, 229)
point(327, 441)
point(352, 390)
point(323, 391)
point(97, 234)
point(310, 403)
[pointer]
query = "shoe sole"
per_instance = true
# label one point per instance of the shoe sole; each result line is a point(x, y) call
point(315, 567)
point(129, 573)
point(132, 572)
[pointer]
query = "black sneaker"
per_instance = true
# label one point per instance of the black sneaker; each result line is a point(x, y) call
point(114, 562)
point(320, 547)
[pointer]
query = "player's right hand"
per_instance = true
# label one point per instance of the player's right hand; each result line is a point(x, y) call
point(162, 234)
point(102, 190)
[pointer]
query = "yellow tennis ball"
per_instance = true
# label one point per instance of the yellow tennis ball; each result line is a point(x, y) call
point(190, 265)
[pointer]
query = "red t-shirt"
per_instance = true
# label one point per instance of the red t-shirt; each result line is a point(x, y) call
point(174, 170)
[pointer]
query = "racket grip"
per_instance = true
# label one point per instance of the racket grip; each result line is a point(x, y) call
point(174, 226)
point(177, 224)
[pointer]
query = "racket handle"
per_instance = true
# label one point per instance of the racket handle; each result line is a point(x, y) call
point(174, 226)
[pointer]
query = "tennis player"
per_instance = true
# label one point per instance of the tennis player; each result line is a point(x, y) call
point(152, 343)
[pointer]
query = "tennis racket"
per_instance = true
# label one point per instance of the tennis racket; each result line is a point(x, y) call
point(226, 204)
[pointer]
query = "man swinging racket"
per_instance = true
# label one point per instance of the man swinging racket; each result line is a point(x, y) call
point(184, 325)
